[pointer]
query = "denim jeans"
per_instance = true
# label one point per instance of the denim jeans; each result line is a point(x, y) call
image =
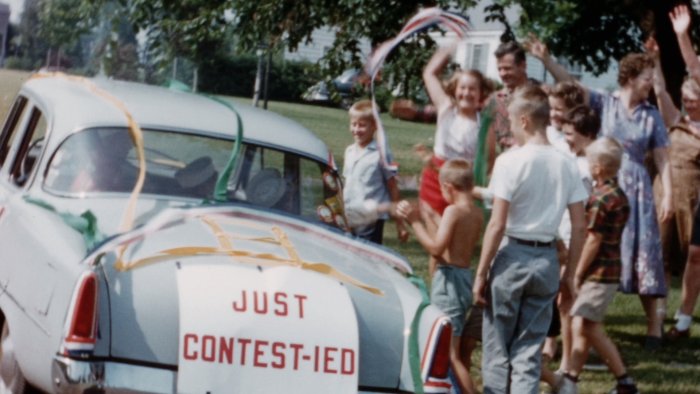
point(523, 282)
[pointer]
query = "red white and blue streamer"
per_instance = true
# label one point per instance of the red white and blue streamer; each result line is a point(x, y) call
point(424, 19)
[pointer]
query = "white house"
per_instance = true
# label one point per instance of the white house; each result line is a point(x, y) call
point(476, 52)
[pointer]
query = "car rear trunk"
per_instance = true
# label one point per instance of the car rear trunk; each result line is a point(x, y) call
point(248, 301)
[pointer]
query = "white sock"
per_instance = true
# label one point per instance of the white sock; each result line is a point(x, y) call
point(683, 322)
point(675, 315)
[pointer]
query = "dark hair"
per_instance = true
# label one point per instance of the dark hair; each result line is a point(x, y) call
point(632, 65)
point(512, 48)
point(570, 92)
point(485, 85)
point(585, 121)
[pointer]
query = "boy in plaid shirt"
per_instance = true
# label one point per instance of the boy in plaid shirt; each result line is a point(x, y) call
point(597, 275)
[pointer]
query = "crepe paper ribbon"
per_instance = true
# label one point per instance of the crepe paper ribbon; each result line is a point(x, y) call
point(482, 156)
point(220, 190)
point(414, 358)
point(424, 19)
point(85, 223)
point(134, 132)
point(248, 257)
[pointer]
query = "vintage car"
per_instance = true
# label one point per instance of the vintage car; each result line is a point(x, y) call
point(142, 251)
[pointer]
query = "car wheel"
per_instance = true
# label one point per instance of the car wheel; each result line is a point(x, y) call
point(11, 378)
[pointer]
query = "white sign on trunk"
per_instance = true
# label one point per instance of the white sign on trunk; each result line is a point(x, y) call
point(271, 330)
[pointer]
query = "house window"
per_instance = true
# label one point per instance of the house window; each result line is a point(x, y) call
point(477, 56)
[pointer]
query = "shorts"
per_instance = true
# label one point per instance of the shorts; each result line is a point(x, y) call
point(430, 191)
point(451, 292)
point(593, 300)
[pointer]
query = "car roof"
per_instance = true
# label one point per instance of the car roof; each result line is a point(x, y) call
point(74, 103)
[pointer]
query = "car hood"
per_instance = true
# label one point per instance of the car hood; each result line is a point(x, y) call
point(253, 297)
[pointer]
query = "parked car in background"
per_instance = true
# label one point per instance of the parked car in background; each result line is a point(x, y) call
point(344, 87)
point(262, 290)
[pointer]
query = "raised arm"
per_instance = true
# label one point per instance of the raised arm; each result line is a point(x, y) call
point(432, 80)
point(539, 50)
point(669, 112)
point(661, 161)
point(680, 19)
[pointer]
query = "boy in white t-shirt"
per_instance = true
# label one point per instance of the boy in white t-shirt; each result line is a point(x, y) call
point(532, 185)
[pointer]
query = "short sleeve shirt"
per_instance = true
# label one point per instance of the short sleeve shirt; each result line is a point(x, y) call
point(540, 183)
point(365, 176)
point(608, 211)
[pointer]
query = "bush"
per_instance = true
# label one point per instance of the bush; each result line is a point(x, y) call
point(20, 63)
point(235, 76)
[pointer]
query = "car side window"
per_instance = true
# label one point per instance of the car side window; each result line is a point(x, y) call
point(30, 148)
point(9, 130)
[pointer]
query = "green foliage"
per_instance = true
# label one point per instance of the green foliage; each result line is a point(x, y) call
point(236, 76)
point(290, 23)
point(20, 63)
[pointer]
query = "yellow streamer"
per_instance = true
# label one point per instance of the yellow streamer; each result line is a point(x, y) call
point(134, 132)
point(225, 248)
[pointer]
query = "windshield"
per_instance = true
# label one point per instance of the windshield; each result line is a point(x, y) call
point(104, 160)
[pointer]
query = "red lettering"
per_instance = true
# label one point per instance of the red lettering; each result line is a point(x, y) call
point(188, 338)
point(328, 359)
point(208, 348)
point(226, 350)
point(301, 299)
point(281, 301)
point(243, 305)
point(316, 357)
point(297, 348)
point(258, 353)
point(244, 344)
point(256, 305)
point(279, 354)
point(347, 362)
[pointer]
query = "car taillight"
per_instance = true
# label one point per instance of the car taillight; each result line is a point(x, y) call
point(441, 359)
point(81, 326)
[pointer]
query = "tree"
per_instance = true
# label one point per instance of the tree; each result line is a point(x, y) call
point(60, 25)
point(288, 23)
point(593, 33)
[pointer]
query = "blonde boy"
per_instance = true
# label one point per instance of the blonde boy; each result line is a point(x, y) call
point(452, 247)
point(366, 178)
point(532, 186)
point(597, 276)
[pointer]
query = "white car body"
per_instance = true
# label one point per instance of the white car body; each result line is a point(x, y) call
point(251, 295)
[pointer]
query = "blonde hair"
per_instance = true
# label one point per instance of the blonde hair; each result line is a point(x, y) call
point(458, 173)
point(486, 87)
point(532, 102)
point(362, 109)
point(606, 152)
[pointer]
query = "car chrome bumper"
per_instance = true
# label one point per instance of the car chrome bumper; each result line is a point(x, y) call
point(78, 376)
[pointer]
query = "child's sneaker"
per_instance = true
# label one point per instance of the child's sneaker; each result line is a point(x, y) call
point(625, 389)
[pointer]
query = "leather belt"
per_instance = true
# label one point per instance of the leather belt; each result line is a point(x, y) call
point(534, 244)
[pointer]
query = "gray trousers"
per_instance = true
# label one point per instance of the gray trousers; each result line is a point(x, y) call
point(523, 282)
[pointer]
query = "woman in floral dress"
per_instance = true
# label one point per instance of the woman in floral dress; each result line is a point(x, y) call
point(627, 117)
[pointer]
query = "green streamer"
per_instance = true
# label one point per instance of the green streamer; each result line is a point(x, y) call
point(85, 223)
point(413, 348)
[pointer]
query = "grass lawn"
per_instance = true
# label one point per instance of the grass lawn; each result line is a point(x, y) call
point(673, 369)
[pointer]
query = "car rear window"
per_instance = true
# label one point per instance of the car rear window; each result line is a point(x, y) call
point(103, 160)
